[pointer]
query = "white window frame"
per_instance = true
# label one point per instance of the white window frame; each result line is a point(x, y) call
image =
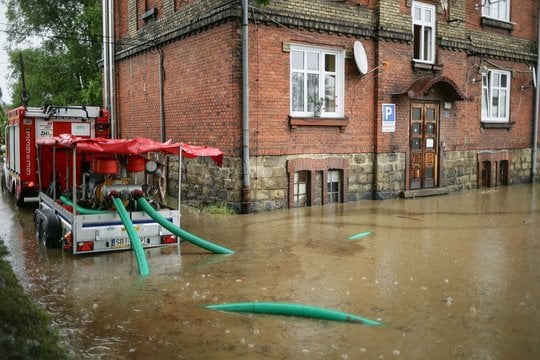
point(496, 9)
point(305, 108)
point(424, 16)
point(492, 91)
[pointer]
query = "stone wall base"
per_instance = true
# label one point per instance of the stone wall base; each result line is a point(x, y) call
point(272, 177)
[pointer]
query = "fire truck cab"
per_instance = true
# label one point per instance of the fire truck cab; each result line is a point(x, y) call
point(28, 124)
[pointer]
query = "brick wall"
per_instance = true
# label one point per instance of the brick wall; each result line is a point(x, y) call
point(201, 52)
point(270, 97)
point(201, 91)
point(121, 22)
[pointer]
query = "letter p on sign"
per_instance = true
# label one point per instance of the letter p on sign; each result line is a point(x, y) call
point(388, 117)
point(389, 112)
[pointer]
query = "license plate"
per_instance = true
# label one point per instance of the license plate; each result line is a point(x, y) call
point(120, 243)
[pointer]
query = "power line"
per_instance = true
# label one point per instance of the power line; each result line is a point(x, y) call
point(77, 36)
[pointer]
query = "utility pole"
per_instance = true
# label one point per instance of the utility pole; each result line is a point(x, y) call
point(24, 94)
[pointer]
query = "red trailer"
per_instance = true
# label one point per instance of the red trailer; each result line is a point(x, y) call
point(102, 195)
point(26, 125)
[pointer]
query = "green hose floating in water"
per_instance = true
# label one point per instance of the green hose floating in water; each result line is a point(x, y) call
point(133, 237)
point(360, 235)
point(294, 310)
point(216, 249)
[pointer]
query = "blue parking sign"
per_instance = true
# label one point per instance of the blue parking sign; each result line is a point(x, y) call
point(388, 117)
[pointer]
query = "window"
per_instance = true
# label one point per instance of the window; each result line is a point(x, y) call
point(496, 9)
point(424, 32)
point(316, 74)
point(496, 96)
point(300, 186)
point(334, 186)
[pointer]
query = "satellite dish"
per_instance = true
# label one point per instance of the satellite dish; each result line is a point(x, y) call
point(360, 57)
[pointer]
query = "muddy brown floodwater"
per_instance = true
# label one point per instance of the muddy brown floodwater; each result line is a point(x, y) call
point(451, 277)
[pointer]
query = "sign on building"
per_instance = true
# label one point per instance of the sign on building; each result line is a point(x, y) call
point(388, 117)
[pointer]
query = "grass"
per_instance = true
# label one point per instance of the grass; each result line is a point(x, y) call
point(217, 208)
point(25, 328)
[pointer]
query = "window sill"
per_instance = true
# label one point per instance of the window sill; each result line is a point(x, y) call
point(418, 65)
point(498, 125)
point(295, 122)
point(499, 24)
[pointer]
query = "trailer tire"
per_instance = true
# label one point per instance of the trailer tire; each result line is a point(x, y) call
point(37, 227)
point(49, 227)
point(42, 237)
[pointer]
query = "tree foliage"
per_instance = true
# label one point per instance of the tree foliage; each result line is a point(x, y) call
point(63, 68)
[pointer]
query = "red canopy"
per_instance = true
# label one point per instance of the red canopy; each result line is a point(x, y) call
point(136, 146)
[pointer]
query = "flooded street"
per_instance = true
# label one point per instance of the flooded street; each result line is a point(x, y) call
point(451, 277)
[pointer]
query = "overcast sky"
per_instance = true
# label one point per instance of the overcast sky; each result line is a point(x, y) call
point(6, 96)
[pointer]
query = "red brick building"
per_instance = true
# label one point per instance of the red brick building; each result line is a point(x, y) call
point(415, 95)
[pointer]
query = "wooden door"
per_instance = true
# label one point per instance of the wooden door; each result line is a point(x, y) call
point(424, 129)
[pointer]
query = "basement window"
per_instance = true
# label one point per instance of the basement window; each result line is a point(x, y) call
point(300, 188)
point(334, 186)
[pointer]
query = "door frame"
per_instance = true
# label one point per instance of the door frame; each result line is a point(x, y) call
point(429, 150)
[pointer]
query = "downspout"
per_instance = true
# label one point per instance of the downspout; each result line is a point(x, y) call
point(106, 39)
point(536, 103)
point(111, 39)
point(161, 97)
point(377, 121)
point(246, 191)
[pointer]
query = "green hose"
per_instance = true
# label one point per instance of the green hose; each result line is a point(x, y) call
point(133, 237)
point(294, 310)
point(80, 209)
point(360, 235)
point(216, 249)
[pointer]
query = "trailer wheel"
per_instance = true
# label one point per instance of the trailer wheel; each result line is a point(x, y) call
point(37, 227)
point(42, 236)
point(49, 228)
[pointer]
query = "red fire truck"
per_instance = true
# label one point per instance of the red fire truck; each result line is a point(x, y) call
point(28, 124)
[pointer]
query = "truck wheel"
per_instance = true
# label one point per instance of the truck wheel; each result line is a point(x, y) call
point(19, 198)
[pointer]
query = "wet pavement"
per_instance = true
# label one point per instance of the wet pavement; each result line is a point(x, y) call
point(451, 277)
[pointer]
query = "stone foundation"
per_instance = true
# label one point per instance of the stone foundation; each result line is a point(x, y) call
point(203, 183)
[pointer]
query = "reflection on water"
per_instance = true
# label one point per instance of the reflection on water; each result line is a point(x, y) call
point(452, 277)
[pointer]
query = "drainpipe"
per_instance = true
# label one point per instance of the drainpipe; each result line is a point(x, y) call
point(246, 191)
point(161, 97)
point(375, 138)
point(110, 10)
point(105, 22)
point(536, 103)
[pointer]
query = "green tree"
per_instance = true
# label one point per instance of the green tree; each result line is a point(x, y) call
point(3, 121)
point(63, 69)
